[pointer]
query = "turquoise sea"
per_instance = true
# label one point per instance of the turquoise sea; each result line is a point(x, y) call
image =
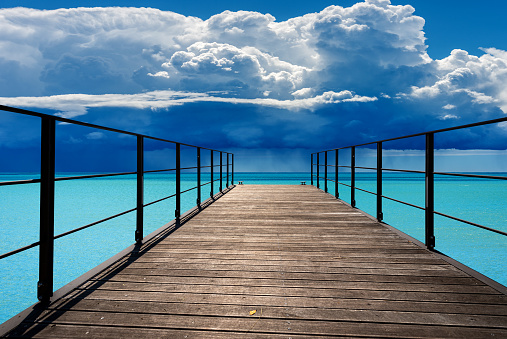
point(79, 202)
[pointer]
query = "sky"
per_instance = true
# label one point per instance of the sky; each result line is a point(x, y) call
point(271, 81)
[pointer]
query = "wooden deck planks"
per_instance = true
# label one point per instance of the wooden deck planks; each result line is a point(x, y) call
point(308, 264)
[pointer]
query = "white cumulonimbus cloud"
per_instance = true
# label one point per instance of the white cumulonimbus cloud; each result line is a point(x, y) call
point(372, 53)
point(464, 78)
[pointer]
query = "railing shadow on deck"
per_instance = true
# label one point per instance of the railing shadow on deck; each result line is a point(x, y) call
point(45, 290)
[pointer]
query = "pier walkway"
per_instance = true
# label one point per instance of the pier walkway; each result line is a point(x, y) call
point(281, 261)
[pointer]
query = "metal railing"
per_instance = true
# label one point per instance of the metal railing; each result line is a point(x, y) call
point(429, 174)
point(48, 178)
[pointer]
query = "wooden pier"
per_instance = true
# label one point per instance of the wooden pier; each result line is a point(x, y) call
point(277, 261)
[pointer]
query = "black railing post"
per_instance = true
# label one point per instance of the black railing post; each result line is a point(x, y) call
point(211, 172)
point(232, 168)
point(47, 211)
point(311, 169)
point(325, 172)
point(221, 171)
point(318, 170)
point(353, 177)
point(336, 194)
point(430, 196)
point(198, 177)
point(177, 212)
point(140, 190)
point(380, 215)
point(227, 179)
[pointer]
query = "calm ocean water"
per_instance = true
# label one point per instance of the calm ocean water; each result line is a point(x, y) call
point(79, 202)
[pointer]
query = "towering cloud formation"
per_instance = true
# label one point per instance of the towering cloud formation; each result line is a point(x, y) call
point(342, 68)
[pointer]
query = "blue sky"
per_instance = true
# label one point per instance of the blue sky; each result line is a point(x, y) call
point(272, 87)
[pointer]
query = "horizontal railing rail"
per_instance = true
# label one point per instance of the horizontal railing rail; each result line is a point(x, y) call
point(48, 178)
point(85, 124)
point(429, 174)
point(476, 124)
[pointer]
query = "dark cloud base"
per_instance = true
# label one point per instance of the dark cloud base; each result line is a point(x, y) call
point(226, 126)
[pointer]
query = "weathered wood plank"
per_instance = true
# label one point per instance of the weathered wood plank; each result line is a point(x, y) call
point(290, 301)
point(258, 264)
point(301, 276)
point(338, 259)
point(439, 270)
point(255, 282)
point(288, 274)
point(307, 292)
point(92, 331)
point(267, 325)
point(280, 312)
